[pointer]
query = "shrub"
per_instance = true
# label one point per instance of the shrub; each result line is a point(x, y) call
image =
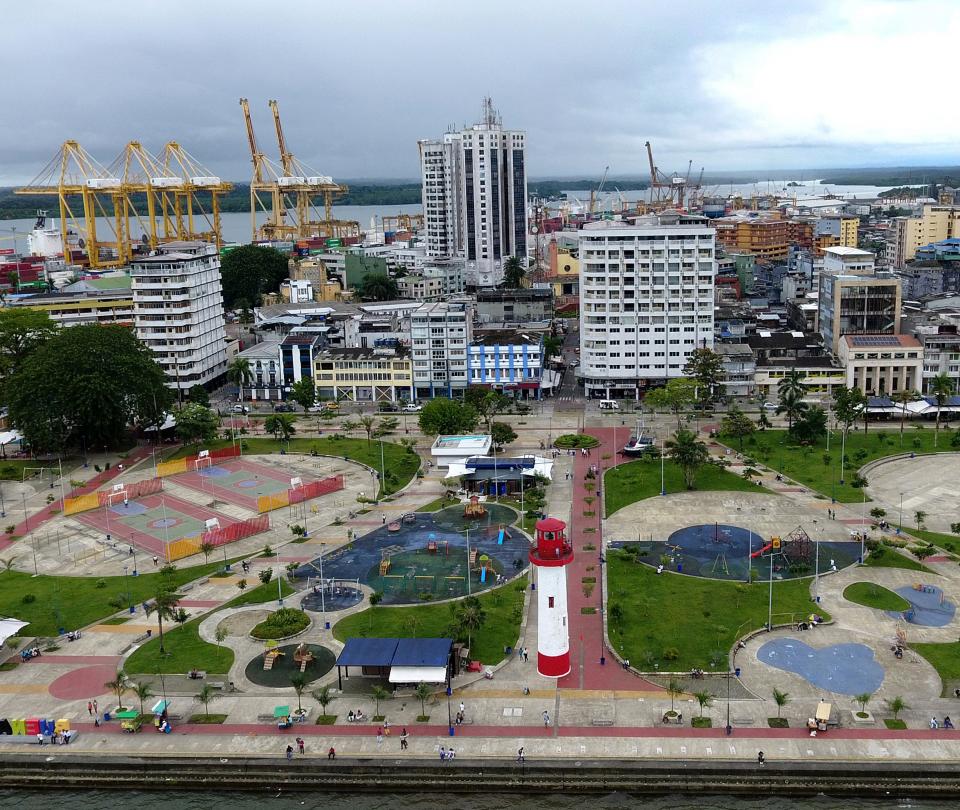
point(101, 583)
point(28, 598)
point(281, 623)
point(670, 654)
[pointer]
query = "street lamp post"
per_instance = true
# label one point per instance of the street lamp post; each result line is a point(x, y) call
point(900, 525)
point(279, 577)
point(663, 453)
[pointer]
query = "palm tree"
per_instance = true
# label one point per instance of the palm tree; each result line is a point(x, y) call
point(674, 689)
point(689, 454)
point(378, 693)
point(165, 606)
point(704, 699)
point(470, 617)
point(220, 635)
point(299, 683)
point(207, 549)
point(368, 423)
point(142, 691)
point(513, 273)
point(781, 699)
point(791, 384)
point(280, 425)
point(919, 516)
point(862, 700)
point(902, 398)
point(323, 697)
point(118, 685)
point(941, 387)
point(423, 692)
point(240, 374)
point(205, 696)
point(896, 705)
point(792, 404)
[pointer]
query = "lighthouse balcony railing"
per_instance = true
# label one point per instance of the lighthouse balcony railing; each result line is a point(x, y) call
point(559, 555)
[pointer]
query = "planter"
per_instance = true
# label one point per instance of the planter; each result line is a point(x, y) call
point(863, 718)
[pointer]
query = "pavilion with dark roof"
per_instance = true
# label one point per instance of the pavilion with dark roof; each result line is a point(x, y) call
point(397, 660)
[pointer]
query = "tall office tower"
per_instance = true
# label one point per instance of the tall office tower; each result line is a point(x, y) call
point(475, 197)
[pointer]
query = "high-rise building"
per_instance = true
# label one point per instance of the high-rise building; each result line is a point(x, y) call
point(908, 234)
point(178, 311)
point(439, 334)
point(646, 300)
point(475, 197)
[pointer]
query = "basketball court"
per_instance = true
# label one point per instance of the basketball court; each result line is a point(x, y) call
point(153, 523)
point(237, 481)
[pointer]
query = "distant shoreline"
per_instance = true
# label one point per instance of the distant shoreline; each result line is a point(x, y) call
point(393, 775)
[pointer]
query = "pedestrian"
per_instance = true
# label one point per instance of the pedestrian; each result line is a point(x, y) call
point(90, 707)
point(443, 753)
point(300, 746)
point(379, 737)
point(289, 753)
point(520, 757)
point(383, 517)
point(96, 720)
point(39, 738)
point(451, 754)
point(96, 708)
point(386, 728)
point(332, 753)
point(526, 655)
point(156, 560)
point(760, 758)
point(546, 719)
point(403, 740)
point(462, 707)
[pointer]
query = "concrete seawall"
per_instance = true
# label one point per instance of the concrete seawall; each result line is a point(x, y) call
point(73, 771)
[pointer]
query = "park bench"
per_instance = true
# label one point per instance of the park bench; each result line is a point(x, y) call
point(265, 718)
point(217, 685)
point(141, 637)
point(742, 721)
point(187, 587)
point(672, 721)
point(601, 721)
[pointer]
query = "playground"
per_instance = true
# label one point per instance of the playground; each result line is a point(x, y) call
point(721, 551)
point(424, 556)
point(928, 607)
point(331, 595)
point(154, 523)
point(273, 667)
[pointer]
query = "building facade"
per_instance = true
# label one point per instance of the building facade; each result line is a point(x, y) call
point(364, 375)
point(882, 365)
point(646, 301)
point(178, 311)
point(908, 234)
point(511, 362)
point(266, 371)
point(475, 197)
point(439, 335)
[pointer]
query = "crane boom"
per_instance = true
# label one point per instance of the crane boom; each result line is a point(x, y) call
point(256, 156)
point(286, 159)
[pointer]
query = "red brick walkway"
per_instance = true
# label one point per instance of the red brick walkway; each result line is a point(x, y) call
point(586, 630)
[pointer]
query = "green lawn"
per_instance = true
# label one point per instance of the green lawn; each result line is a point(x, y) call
point(12, 469)
point(875, 596)
point(439, 503)
point(773, 449)
point(679, 622)
point(949, 542)
point(884, 557)
point(640, 479)
point(186, 650)
point(400, 464)
point(74, 602)
point(945, 659)
point(503, 607)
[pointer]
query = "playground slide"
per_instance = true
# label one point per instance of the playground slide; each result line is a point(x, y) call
point(483, 574)
point(500, 538)
point(764, 550)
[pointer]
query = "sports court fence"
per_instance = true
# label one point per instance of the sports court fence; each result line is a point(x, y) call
point(188, 463)
point(186, 546)
point(108, 497)
point(304, 492)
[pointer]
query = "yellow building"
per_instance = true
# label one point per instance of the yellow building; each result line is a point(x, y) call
point(103, 300)
point(364, 375)
point(564, 275)
point(908, 234)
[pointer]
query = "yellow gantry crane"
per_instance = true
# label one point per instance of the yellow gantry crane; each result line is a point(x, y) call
point(402, 222)
point(285, 194)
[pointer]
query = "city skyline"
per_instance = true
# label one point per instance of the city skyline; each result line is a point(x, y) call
point(761, 87)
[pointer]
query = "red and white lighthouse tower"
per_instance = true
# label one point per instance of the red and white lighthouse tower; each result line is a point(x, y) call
point(551, 555)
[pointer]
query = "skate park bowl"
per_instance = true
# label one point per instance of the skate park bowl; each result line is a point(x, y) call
point(427, 556)
point(928, 607)
point(721, 551)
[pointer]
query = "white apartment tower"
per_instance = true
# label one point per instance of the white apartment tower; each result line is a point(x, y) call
point(439, 335)
point(646, 301)
point(178, 311)
point(475, 197)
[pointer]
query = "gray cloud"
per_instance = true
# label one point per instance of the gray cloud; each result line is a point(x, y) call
point(359, 82)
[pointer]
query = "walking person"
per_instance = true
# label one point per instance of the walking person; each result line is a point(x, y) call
point(520, 757)
point(383, 517)
point(546, 719)
point(761, 760)
point(403, 740)
point(289, 753)
point(526, 655)
point(96, 708)
point(90, 707)
point(300, 745)
point(379, 737)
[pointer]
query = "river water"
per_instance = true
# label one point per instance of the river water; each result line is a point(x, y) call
point(165, 800)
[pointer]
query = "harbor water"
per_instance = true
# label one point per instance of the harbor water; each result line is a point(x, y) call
point(281, 800)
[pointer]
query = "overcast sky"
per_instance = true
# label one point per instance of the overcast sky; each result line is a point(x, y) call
point(730, 85)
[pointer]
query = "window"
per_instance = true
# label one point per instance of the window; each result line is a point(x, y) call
point(549, 601)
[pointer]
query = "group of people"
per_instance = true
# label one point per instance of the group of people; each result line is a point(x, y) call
point(447, 753)
point(947, 722)
point(356, 716)
point(461, 713)
point(523, 654)
point(74, 635)
point(33, 652)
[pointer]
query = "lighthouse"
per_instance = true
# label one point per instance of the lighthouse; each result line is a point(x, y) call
point(551, 555)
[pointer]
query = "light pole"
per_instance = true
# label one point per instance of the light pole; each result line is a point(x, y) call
point(383, 473)
point(863, 524)
point(126, 583)
point(279, 585)
point(3, 506)
point(843, 446)
point(816, 565)
point(663, 453)
point(900, 526)
point(26, 519)
point(770, 602)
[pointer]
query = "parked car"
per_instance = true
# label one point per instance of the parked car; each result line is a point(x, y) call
point(241, 409)
point(412, 407)
point(283, 407)
point(387, 407)
point(769, 406)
